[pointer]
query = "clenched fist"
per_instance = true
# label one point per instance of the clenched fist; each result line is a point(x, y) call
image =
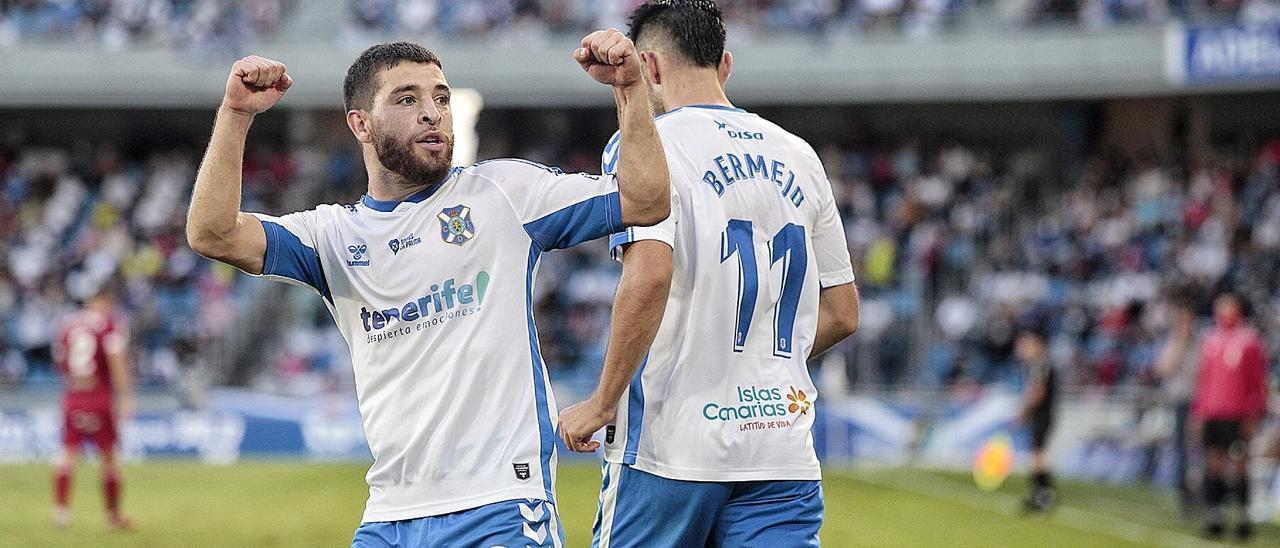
point(255, 85)
point(610, 58)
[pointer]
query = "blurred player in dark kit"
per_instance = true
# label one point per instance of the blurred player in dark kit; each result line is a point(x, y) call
point(1038, 412)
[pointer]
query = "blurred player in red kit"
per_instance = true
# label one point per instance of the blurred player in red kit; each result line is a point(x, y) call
point(98, 395)
point(1230, 401)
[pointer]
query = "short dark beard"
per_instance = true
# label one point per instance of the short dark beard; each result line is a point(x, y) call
point(398, 157)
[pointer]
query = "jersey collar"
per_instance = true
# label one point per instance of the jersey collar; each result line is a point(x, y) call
point(707, 107)
point(390, 205)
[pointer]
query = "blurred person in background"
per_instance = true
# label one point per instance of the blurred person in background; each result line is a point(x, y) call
point(98, 396)
point(1176, 367)
point(1039, 396)
point(1230, 402)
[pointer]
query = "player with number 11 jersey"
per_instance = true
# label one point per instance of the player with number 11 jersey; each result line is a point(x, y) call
point(755, 234)
point(707, 438)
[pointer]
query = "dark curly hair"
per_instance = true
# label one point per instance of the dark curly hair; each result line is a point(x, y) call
point(694, 28)
point(363, 77)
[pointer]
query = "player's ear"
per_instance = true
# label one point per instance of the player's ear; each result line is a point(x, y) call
point(649, 60)
point(726, 66)
point(358, 121)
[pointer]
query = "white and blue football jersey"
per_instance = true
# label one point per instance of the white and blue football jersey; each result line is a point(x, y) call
point(433, 295)
point(724, 394)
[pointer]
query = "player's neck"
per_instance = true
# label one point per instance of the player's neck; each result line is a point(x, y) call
point(696, 89)
point(393, 193)
point(387, 186)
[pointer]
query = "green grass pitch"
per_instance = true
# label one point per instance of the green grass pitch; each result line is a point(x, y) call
point(268, 503)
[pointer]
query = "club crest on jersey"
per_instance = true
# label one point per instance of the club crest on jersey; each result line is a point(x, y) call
point(455, 225)
point(359, 255)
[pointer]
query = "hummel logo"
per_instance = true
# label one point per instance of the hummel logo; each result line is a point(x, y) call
point(721, 125)
point(357, 252)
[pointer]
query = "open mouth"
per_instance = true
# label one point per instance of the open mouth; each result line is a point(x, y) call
point(433, 141)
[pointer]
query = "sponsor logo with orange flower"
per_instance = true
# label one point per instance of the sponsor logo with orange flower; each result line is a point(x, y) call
point(753, 403)
point(799, 402)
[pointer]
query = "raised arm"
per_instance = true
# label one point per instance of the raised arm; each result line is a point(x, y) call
point(637, 312)
point(643, 182)
point(216, 228)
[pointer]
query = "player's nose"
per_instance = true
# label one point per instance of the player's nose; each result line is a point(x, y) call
point(430, 115)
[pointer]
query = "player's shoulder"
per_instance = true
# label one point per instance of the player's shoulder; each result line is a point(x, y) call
point(334, 210)
point(697, 115)
point(89, 320)
point(1252, 336)
point(71, 320)
point(111, 322)
point(789, 139)
point(732, 120)
point(316, 214)
point(499, 169)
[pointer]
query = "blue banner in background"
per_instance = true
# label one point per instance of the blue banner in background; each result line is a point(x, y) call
point(234, 425)
point(1224, 54)
point(1096, 438)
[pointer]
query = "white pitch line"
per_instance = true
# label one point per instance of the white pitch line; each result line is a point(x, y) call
point(1066, 516)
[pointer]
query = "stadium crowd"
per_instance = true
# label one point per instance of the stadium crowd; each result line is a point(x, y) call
point(69, 218)
point(209, 27)
point(953, 246)
point(522, 21)
point(989, 241)
point(224, 28)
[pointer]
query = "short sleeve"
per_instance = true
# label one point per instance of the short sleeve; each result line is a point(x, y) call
point(830, 248)
point(558, 209)
point(664, 231)
point(291, 251)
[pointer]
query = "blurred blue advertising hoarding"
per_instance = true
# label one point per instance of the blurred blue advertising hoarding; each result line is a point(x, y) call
point(1199, 55)
point(1098, 437)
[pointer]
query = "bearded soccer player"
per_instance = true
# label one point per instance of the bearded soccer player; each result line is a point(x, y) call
point(707, 439)
point(429, 277)
point(91, 355)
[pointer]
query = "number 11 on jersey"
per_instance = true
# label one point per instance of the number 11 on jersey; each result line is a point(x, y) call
point(788, 248)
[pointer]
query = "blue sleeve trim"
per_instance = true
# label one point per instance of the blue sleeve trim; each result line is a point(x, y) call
point(611, 152)
point(621, 238)
point(288, 257)
point(586, 220)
